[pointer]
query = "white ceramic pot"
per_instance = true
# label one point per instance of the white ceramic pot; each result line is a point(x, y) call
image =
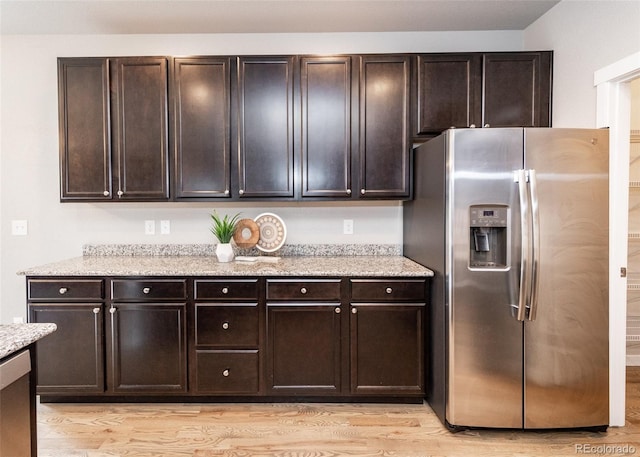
point(224, 252)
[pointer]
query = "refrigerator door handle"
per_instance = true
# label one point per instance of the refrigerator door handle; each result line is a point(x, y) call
point(535, 241)
point(521, 178)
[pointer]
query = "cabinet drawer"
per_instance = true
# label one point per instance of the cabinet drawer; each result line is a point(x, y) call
point(158, 289)
point(227, 326)
point(388, 290)
point(63, 289)
point(225, 289)
point(311, 289)
point(227, 371)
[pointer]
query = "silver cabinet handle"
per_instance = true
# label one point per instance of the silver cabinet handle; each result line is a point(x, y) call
point(226, 191)
point(120, 193)
point(388, 290)
point(338, 310)
point(225, 290)
point(225, 373)
point(303, 290)
point(354, 310)
point(363, 191)
point(63, 290)
point(241, 191)
point(146, 290)
point(225, 325)
point(112, 310)
point(96, 310)
point(106, 193)
point(348, 191)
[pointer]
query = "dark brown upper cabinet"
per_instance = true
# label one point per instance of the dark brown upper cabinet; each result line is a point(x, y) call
point(202, 127)
point(265, 127)
point(141, 106)
point(503, 89)
point(326, 104)
point(517, 89)
point(84, 129)
point(384, 134)
point(113, 128)
point(450, 92)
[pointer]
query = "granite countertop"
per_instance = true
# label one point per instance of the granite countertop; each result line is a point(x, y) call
point(14, 337)
point(358, 266)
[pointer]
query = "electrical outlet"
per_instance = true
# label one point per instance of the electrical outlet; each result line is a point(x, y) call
point(19, 227)
point(347, 226)
point(165, 227)
point(149, 227)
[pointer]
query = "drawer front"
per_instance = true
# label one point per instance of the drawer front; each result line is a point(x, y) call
point(63, 289)
point(158, 289)
point(231, 372)
point(225, 289)
point(311, 289)
point(227, 326)
point(388, 290)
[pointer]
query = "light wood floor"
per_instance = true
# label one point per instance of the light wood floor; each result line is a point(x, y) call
point(305, 430)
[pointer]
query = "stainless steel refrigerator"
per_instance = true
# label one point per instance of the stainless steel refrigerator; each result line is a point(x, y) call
point(514, 223)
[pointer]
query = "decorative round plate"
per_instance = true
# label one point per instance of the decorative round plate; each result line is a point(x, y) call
point(272, 232)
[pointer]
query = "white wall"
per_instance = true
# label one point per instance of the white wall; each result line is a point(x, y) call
point(585, 36)
point(29, 149)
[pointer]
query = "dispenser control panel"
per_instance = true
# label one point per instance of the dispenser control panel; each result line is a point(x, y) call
point(488, 216)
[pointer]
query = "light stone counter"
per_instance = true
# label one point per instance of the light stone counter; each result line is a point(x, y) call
point(355, 266)
point(14, 337)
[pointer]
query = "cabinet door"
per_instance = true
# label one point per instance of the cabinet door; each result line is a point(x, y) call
point(71, 359)
point(140, 126)
point(202, 111)
point(303, 354)
point(517, 89)
point(147, 348)
point(449, 92)
point(85, 139)
point(384, 126)
point(326, 126)
point(265, 126)
point(387, 343)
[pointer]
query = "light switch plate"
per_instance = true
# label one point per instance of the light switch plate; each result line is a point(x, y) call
point(165, 227)
point(347, 226)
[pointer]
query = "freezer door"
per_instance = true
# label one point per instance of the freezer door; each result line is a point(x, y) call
point(566, 346)
point(485, 340)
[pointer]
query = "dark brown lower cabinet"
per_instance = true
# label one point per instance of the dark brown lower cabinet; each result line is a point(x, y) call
point(70, 359)
point(304, 348)
point(386, 348)
point(146, 349)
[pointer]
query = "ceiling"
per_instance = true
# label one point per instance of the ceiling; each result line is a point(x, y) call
point(265, 16)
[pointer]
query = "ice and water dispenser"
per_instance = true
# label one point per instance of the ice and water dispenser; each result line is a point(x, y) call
point(488, 236)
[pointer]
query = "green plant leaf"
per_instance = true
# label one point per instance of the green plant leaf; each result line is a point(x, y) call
point(224, 227)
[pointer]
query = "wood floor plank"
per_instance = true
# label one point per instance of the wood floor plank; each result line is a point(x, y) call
point(304, 430)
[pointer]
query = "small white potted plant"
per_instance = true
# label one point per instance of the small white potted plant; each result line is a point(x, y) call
point(223, 229)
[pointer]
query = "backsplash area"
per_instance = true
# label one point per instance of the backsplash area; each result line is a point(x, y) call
point(209, 250)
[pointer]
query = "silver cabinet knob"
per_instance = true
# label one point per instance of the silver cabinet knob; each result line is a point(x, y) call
point(112, 310)
point(241, 191)
point(348, 191)
point(225, 325)
point(487, 125)
point(303, 290)
point(225, 290)
point(146, 290)
point(63, 290)
point(225, 373)
point(120, 193)
point(388, 290)
point(338, 310)
point(106, 193)
point(354, 310)
point(363, 191)
point(226, 191)
point(96, 310)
